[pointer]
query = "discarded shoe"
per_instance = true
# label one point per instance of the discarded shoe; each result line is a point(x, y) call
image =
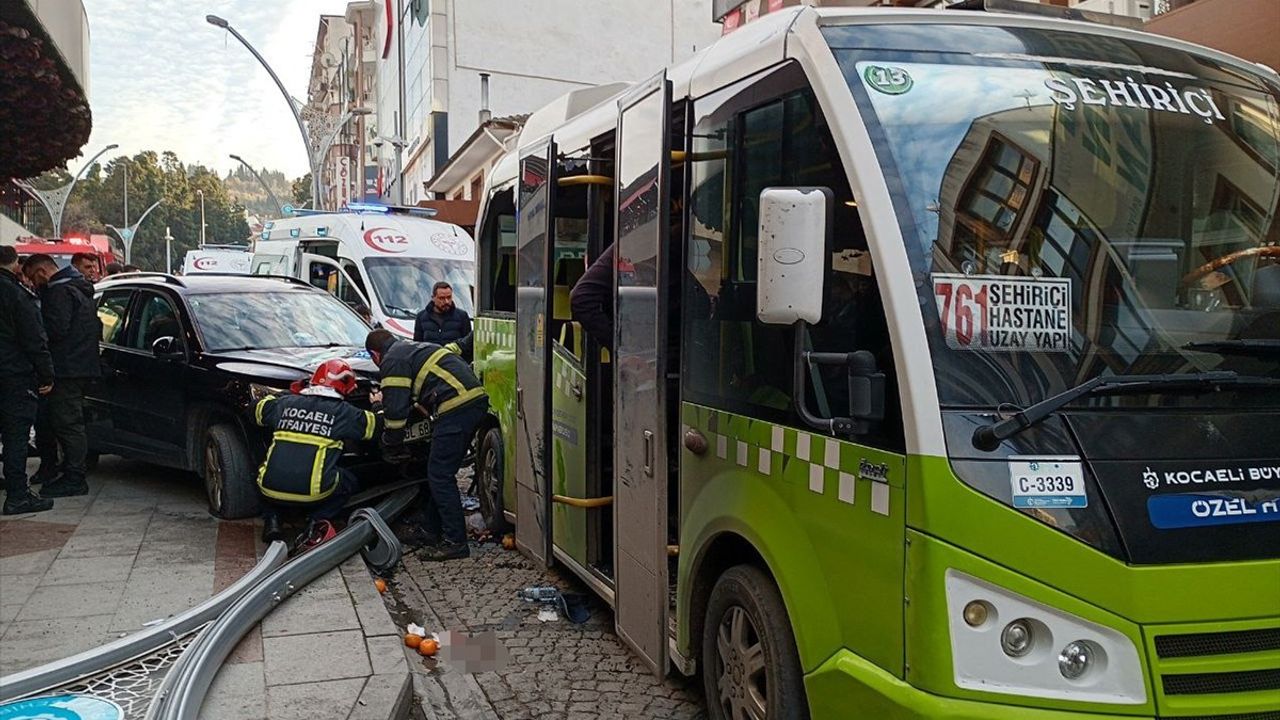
point(318, 533)
point(272, 529)
point(26, 502)
point(445, 551)
point(64, 487)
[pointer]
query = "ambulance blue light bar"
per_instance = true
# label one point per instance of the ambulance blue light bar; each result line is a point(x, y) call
point(368, 207)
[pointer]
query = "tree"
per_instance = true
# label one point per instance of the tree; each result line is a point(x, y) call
point(302, 190)
point(98, 200)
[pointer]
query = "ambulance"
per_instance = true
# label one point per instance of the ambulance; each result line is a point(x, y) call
point(221, 259)
point(385, 258)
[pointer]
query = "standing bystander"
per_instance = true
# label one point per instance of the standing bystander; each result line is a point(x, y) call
point(72, 325)
point(26, 371)
point(441, 322)
point(87, 264)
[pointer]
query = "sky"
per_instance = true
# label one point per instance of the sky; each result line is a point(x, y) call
point(161, 78)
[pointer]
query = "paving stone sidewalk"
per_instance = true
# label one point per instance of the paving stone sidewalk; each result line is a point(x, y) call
point(141, 547)
point(555, 669)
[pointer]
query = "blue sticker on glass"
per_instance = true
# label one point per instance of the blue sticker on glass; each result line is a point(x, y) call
point(61, 707)
point(361, 355)
point(1185, 510)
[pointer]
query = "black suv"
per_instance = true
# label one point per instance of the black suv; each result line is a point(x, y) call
point(184, 359)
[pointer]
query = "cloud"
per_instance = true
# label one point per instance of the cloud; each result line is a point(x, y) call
point(161, 78)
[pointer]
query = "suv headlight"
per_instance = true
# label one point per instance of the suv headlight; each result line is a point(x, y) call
point(1005, 643)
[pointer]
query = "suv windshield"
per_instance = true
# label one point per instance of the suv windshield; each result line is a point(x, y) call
point(1075, 206)
point(256, 321)
point(403, 285)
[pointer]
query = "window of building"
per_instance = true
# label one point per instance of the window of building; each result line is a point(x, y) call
point(996, 194)
point(113, 305)
point(477, 187)
point(770, 134)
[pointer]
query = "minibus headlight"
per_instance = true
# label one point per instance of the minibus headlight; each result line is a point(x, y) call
point(1003, 642)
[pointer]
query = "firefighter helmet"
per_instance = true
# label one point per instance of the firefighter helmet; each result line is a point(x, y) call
point(336, 374)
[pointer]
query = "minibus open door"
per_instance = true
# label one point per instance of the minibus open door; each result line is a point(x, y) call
point(642, 178)
point(533, 370)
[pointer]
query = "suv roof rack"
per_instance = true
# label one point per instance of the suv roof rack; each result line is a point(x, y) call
point(286, 278)
point(1023, 7)
point(170, 279)
point(224, 246)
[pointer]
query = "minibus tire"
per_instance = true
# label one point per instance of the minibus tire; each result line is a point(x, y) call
point(228, 474)
point(489, 479)
point(749, 590)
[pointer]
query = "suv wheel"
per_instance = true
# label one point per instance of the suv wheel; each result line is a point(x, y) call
point(489, 464)
point(228, 475)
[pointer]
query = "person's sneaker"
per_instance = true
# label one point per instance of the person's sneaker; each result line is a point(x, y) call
point(24, 503)
point(445, 551)
point(272, 530)
point(64, 487)
point(320, 532)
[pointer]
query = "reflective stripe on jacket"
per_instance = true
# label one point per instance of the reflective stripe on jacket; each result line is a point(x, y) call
point(433, 378)
point(306, 442)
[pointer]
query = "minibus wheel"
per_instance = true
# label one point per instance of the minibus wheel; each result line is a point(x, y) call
point(750, 666)
point(228, 475)
point(489, 465)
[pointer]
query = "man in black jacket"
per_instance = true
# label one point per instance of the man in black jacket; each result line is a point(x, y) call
point(26, 371)
point(421, 380)
point(441, 322)
point(71, 322)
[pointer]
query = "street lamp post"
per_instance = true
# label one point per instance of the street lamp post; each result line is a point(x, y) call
point(168, 250)
point(275, 200)
point(326, 143)
point(54, 200)
point(127, 233)
point(202, 223)
point(306, 142)
point(398, 144)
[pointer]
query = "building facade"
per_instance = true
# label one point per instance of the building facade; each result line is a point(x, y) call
point(532, 53)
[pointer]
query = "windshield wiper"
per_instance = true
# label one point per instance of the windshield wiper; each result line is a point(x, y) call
point(396, 308)
point(1258, 347)
point(988, 437)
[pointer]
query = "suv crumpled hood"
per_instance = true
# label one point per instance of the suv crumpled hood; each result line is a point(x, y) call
point(292, 363)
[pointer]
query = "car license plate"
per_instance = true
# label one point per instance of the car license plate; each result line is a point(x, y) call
point(418, 431)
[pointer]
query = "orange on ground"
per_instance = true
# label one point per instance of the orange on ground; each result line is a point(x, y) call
point(413, 641)
point(508, 542)
point(380, 584)
point(428, 647)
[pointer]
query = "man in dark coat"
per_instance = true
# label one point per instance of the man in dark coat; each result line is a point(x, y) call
point(71, 322)
point(441, 322)
point(26, 371)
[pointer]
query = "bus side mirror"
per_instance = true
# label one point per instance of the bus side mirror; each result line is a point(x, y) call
point(791, 263)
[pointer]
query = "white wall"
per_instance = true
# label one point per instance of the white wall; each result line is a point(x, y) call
point(68, 25)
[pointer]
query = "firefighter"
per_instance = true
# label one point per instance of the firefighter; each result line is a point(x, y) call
point(308, 431)
point(429, 380)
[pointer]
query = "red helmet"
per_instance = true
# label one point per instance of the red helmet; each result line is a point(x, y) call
point(336, 374)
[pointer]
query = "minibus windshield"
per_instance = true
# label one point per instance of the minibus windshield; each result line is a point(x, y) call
point(1076, 206)
point(403, 284)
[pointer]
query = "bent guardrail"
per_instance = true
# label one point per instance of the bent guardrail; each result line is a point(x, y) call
point(184, 689)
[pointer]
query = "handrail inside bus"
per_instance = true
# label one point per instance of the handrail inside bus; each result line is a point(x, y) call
point(583, 502)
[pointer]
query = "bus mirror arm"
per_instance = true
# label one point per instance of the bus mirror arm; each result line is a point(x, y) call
point(866, 389)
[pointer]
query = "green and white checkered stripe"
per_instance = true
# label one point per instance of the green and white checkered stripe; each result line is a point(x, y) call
point(563, 374)
point(497, 332)
point(767, 449)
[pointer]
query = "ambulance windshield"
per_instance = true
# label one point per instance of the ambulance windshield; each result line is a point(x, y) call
point(1076, 206)
point(403, 284)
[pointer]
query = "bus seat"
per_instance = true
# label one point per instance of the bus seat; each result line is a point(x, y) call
point(560, 303)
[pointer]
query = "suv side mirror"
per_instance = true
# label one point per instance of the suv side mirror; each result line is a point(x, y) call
point(167, 348)
point(795, 223)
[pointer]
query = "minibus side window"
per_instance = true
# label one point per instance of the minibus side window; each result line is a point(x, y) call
point(732, 361)
point(498, 249)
